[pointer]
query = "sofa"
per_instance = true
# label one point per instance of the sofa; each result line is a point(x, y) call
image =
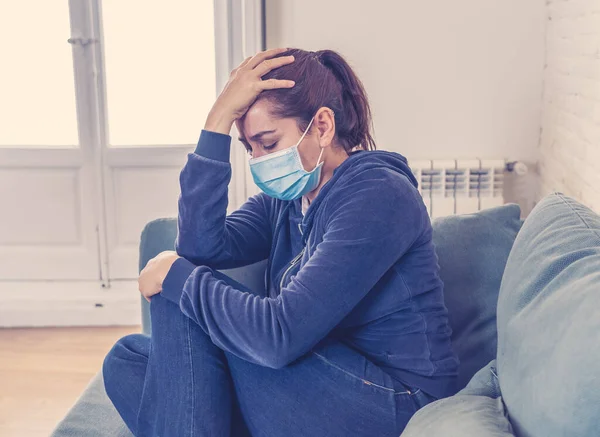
point(523, 299)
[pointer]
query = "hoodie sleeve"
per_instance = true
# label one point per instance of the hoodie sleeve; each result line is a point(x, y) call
point(205, 234)
point(369, 227)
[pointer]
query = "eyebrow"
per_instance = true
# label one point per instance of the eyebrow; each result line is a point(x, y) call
point(258, 136)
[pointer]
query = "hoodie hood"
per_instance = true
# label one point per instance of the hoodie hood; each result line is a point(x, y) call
point(356, 163)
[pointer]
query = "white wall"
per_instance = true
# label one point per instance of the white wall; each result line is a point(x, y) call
point(445, 79)
point(570, 141)
point(457, 79)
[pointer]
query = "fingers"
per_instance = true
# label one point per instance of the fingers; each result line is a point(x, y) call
point(244, 62)
point(270, 64)
point(142, 286)
point(261, 56)
point(145, 291)
point(276, 83)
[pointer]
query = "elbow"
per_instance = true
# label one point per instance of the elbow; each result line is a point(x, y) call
point(191, 251)
point(181, 248)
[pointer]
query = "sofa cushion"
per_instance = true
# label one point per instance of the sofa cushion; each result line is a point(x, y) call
point(484, 383)
point(549, 320)
point(472, 250)
point(460, 416)
point(93, 415)
point(477, 410)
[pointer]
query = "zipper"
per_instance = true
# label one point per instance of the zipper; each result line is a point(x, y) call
point(292, 265)
point(269, 259)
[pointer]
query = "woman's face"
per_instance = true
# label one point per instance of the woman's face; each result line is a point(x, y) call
point(261, 135)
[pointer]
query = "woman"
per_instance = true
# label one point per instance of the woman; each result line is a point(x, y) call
point(351, 336)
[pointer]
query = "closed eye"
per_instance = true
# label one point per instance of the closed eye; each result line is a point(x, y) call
point(249, 148)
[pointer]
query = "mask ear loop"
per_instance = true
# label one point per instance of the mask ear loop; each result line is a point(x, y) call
point(299, 141)
point(319, 159)
point(305, 132)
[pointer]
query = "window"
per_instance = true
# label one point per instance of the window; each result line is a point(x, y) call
point(37, 91)
point(160, 70)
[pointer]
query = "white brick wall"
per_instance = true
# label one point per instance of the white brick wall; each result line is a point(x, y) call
point(570, 137)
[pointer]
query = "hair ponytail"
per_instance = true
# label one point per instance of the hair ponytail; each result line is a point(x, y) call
point(323, 78)
point(355, 122)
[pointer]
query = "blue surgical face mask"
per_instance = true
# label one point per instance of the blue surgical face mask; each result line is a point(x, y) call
point(282, 175)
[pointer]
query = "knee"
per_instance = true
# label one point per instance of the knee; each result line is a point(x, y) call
point(128, 349)
point(108, 366)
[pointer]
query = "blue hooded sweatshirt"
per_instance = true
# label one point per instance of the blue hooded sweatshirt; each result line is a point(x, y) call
point(358, 267)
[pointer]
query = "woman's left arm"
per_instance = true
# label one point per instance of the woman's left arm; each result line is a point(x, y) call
point(367, 231)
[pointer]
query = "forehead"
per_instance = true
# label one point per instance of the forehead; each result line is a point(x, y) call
point(256, 119)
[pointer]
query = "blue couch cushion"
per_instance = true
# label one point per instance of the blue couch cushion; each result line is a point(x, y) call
point(472, 251)
point(549, 322)
point(477, 410)
point(460, 416)
point(93, 415)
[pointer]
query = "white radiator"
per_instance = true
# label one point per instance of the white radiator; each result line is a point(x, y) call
point(459, 186)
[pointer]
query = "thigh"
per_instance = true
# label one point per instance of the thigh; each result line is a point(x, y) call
point(331, 391)
point(124, 371)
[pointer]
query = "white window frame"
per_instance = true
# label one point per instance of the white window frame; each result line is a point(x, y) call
point(239, 32)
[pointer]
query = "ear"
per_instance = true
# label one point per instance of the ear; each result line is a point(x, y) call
point(324, 123)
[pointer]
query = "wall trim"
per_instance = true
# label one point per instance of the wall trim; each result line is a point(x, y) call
point(72, 303)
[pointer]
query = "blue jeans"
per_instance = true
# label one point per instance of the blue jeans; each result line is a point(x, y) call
point(177, 383)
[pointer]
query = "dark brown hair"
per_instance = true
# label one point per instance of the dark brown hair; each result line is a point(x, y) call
point(323, 78)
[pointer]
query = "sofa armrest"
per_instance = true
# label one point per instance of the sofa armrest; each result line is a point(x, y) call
point(157, 236)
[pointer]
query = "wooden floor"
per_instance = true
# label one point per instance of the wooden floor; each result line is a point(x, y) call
point(44, 370)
